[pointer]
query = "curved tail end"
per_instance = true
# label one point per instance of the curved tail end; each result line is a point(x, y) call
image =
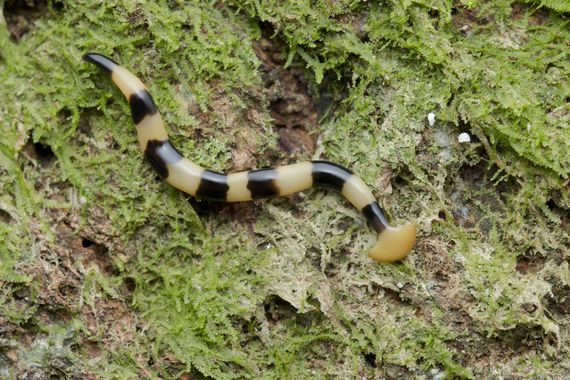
point(394, 243)
point(104, 63)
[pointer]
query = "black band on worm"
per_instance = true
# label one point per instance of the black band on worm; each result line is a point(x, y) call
point(213, 186)
point(373, 213)
point(329, 174)
point(142, 105)
point(160, 153)
point(261, 183)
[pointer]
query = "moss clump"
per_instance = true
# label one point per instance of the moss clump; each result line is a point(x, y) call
point(125, 277)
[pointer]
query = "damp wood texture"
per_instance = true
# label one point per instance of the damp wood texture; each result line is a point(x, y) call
point(393, 243)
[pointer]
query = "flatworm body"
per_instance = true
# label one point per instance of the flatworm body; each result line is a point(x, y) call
point(393, 242)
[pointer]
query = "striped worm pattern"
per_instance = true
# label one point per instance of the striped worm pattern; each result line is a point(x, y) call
point(393, 243)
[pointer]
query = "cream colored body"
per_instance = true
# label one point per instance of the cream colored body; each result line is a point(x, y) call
point(127, 82)
point(238, 190)
point(294, 178)
point(393, 243)
point(151, 128)
point(357, 193)
point(185, 175)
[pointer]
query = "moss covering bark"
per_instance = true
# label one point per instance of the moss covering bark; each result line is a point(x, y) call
point(106, 272)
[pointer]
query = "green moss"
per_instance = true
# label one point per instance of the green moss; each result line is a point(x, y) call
point(283, 288)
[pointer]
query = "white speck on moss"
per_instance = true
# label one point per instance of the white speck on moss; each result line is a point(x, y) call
point(431, 119)
point(464, 138)
point(528, 127)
